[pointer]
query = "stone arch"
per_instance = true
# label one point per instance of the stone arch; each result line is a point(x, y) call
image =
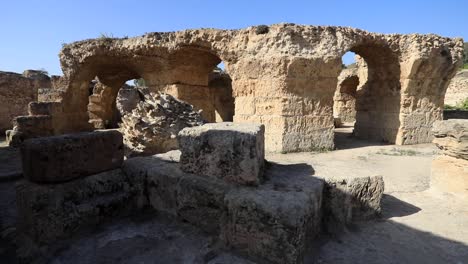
point(378, 101)
point(345, 95)
point(192, 79)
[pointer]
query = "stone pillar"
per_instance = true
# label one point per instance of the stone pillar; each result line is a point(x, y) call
point(292, 97)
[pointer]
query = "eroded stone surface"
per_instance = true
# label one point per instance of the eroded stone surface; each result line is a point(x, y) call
point(283, 76)
point(16, 91)
point(48, 212)
point(229, 151)
point(451, 136)
point(152, 126)
point(66, 157)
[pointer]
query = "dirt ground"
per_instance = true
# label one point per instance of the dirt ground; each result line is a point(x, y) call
point(418, 224)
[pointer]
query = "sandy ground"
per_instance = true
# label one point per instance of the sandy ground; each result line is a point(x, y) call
point(418, 225)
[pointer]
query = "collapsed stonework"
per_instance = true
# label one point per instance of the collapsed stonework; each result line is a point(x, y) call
point(450, 169)
point(255, 210)
point(16, 91)
point(150, 122)
point(283, 76)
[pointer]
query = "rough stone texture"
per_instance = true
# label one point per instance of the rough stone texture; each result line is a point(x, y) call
point(127, 99)
point(51, 212)
point(229, 151)
point(450, 170)
point(271, 223)
point(349, 200)
point(457, 90)
point(152, 127)
point(283, 76)
point(192, 198)
point(16, 91)
point(345, 96)
point(275, 222)
point(451, 136)
point(66, 157)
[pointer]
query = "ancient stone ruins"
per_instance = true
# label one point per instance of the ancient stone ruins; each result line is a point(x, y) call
point(283, 90)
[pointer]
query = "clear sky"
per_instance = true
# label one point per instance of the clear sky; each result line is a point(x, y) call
point(32, 32)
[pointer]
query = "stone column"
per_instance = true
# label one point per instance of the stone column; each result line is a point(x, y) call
point(292, 97)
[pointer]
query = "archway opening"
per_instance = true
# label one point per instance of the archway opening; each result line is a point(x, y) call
point(367, 97)
point(201, 78)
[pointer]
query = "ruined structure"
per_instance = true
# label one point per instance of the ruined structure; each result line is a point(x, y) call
point(16, 91)
point(283, 76)
point(218, 182)
point(150, 124)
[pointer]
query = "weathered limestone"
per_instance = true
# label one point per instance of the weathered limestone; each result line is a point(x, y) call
point(275, 222)
point(228, 151)
point(348, 200)
point(16, 91)
point(152, 126)
point(272, 223)
point(451, 136)
point(450, 169)
point(457, 90)
point(283, 76)
point(345, 96)
point(66, 157)
point(50, 212)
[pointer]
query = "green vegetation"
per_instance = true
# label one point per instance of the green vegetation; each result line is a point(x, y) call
point(43, 71)
point(463, 105)
point(106, 36)
point(398, 152)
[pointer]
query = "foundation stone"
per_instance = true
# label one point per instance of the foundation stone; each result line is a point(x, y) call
point(70, 156)
point(228, 151)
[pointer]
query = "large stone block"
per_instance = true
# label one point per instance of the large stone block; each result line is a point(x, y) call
point(274, 222)
point(451, 136)
point(196, 199)
point(66, 157)
point(48, 212)
point(228, 151)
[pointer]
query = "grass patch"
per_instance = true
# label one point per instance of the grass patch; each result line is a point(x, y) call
point(398, 152)
point(463, 105)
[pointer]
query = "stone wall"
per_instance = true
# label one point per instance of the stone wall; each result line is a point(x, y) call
point(457, 90)
point(283, 76)
point(16, 91)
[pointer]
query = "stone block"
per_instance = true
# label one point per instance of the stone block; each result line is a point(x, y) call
point(451, 136)
point(346, 200)
point(66, 157)
point(49, 212)
point(273, 223)
point(200, 201)
point(229, 151)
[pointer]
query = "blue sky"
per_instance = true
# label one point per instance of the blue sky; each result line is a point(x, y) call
point(32, 32)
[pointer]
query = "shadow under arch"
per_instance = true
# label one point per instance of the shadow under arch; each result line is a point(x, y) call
point(378, 102)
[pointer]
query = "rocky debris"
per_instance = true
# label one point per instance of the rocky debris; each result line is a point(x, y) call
point(152, 127)
point(451, 136)
point(457, 90)
point(229, 151)
point(62, 158)
point(128, 99)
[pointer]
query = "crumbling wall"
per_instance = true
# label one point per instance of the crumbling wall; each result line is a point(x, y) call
point(457, 90)
point(16, 91)
point(283, 76)
point(345, 96)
